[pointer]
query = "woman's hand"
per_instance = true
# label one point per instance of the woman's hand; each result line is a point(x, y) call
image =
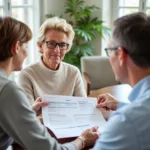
point(38, 104)
point(107, 101)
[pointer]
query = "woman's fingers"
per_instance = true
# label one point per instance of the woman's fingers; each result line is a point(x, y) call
point(44, 104)
point(39, 99)
point(41, 104)
point(37, 105)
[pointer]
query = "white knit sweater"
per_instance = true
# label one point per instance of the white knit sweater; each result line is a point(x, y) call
point(37, 80)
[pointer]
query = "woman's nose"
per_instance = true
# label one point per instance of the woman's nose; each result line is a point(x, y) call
point(56, 49)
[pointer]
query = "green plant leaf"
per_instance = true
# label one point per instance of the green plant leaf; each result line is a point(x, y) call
point(86, 35)
point(73, 7)
point(86, 27)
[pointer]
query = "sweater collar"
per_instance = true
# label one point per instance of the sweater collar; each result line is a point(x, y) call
point(48, 69)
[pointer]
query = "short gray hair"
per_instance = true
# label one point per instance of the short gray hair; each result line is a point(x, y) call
point(132, 32)
point(58, 24)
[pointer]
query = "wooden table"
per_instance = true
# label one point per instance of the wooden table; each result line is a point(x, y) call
point(120, 92)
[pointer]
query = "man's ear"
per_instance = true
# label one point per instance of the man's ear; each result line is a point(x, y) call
point(39, 44)
point(122, 56)
point(16, 48)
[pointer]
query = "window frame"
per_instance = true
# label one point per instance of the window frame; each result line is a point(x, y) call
point(142, 7)
point(33, 53)
point(114, 14)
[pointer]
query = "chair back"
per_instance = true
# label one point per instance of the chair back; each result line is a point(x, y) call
point(99, 71)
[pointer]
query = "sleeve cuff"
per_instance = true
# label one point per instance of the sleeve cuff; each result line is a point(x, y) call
point(121, 104)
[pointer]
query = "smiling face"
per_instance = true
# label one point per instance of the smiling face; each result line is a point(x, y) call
point(53, 57)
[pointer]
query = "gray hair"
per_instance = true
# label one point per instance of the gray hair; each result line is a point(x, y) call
point(58, 24)
point(132, 32)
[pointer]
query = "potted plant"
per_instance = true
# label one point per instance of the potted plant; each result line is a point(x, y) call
point(85, 27)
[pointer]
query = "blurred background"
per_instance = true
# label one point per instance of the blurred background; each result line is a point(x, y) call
point(34, 12)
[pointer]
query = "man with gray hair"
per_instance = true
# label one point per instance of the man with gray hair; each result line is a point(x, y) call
point(129, 52)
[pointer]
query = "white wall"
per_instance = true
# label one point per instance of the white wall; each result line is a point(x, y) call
point(107, 17)
point(57, 7)
point(97, 13)
point(51, 7)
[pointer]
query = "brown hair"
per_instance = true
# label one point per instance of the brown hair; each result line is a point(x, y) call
point(11, 31)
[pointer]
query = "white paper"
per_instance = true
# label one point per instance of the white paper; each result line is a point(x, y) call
point(69, 116)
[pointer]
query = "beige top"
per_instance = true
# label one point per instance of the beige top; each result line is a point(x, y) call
point(37, 80)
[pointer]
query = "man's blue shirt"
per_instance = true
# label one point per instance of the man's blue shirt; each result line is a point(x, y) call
point(129, 126)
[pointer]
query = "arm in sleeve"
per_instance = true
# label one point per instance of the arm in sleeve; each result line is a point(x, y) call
point(24, 81)
point(119, 134)
point(121, 104)
point(79, 86)
point(20, 122)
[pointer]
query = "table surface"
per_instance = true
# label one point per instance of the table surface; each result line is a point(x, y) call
point(121, 92)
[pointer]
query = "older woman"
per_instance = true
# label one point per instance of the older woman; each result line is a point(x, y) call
point(17, 120)
point(50, 75)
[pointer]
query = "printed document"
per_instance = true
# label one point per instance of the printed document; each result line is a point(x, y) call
point(68, 116)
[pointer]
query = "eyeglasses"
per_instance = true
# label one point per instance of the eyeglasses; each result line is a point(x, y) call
point(109, 50)
point(53, 44)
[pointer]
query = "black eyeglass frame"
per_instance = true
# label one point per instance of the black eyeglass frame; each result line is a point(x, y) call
point(115, 49)
point(111, 48)
point(59, 44)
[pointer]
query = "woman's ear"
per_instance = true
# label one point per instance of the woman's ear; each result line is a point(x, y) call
point(39, 44)
point(16, 48)
point(69, 48)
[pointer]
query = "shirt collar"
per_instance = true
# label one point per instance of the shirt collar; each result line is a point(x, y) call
point(140, 90)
